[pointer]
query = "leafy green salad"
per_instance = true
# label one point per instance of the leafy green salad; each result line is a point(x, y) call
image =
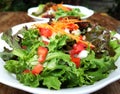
point(56, 11)
point(61, 54)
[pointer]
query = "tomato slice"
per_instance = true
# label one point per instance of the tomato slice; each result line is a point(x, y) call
point(42, 53)
point(81, 37)
point(72, 26)
point(37, 69)
point(24, 47)
point(45, 32)
point(77, 48)
point(46, 43)
point(41, 58)
point(26, 71)
point(76, 61)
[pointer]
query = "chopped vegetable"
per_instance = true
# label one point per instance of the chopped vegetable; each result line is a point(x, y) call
point(42, 53)
point(76, 61)
point(37, 69)
point(45, 32)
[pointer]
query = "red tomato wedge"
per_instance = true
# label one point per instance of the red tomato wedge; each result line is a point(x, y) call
point(81, 37)
point(41, 59)
point(72, 26)
point(37, 69)
point(24, 47)
point(45, 32)
point(42, 53)
point(77, 48)
point(26, 71)
point(76, 61)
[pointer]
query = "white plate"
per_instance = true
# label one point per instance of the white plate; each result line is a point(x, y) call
point(10, 80)
point(87, 12)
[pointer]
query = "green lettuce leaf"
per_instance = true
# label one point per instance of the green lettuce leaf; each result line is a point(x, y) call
point(74, 12)
point(29, 79)
point(57, 42)
point(14, 66)
point(52, 82)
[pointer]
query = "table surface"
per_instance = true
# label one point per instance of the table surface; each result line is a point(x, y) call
point(9, 19)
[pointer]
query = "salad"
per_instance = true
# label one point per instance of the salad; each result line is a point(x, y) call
point(53, 10)
point(61, 54)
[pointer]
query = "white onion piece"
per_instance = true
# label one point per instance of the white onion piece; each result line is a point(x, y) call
point(45, 39)
point(117, 36)
point(4, 44)
point(83, 54)
point(51, 11)
point(76, 32)
point(67, 30)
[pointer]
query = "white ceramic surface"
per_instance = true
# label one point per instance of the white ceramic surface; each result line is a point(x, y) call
point(10, 80)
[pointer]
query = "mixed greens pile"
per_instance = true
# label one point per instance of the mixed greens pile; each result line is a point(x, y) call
point(54, 62)
point(56, 11)
point(73, 12)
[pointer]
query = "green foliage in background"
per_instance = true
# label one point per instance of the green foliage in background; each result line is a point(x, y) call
point(115, 10)
point(5, 4)
point(21, 5)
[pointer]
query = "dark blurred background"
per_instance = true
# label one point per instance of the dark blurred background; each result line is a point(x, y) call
point(112, 7)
